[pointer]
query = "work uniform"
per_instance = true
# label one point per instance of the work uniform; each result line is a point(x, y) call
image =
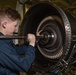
point(10, 61)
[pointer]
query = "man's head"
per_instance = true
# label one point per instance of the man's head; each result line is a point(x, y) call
point(8, 20)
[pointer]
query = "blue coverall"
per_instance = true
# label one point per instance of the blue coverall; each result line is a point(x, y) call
point(10, 61)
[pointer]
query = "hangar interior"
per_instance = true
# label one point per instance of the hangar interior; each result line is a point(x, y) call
point(56, 18)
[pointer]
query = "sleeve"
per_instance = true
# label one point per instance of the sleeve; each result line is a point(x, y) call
point(14, 62)
point(21, 49)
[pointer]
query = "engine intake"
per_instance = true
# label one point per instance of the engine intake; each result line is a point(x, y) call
point(49, 19)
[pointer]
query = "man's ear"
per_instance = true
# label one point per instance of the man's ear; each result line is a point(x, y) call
point(4, 24)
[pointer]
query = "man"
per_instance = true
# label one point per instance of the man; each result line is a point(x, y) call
point(10, 61)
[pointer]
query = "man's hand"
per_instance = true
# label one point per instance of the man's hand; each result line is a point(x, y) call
point(32, 39)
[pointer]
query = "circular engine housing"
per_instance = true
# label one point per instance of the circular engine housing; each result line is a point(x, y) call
point(48, 19)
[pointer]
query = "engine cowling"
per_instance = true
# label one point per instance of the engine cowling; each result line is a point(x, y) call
point(49, 19)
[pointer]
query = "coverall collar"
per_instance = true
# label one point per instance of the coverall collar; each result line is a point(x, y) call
point(7, 40)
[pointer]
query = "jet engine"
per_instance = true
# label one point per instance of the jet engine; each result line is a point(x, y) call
point(55, 51)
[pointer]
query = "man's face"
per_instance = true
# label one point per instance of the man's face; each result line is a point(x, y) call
point(11, 27)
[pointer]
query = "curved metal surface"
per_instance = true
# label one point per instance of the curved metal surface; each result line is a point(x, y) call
point(50, 20)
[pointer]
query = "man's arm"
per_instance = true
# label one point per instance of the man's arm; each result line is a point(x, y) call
point(14, 62)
